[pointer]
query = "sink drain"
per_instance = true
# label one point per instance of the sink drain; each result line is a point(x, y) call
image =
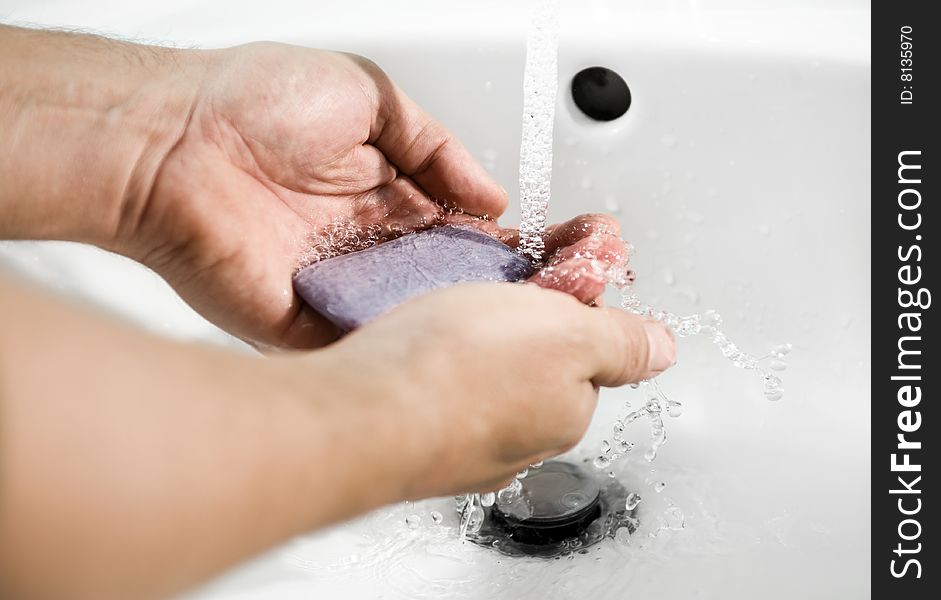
point(562, 508)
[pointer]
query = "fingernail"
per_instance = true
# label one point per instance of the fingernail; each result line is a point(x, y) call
point(661, 349)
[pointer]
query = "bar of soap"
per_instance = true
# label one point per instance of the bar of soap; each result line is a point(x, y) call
point(352, 289)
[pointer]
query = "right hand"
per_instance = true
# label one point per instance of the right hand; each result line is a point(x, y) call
point(477, 381)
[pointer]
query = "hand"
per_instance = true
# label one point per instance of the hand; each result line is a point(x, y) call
point(472, 383)
point(283, 143)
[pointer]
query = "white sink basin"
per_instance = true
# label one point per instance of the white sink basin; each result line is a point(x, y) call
point(741, 175)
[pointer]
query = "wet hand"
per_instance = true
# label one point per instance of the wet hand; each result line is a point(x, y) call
point(472, 383)
point(281, 143)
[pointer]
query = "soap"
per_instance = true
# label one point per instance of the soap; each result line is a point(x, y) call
point(352, 289)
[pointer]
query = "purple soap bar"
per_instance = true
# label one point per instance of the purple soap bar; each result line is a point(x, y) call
point(355, 288)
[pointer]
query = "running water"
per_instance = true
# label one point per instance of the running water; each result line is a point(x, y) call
point(540, 84)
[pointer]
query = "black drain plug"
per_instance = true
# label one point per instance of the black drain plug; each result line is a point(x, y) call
point(562, 501)
point(601, 93)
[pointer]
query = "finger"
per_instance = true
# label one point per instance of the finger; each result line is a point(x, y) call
point(582, 226)
point(425, 150)
point(626, 348)
point(576, 277)
point(585, 267)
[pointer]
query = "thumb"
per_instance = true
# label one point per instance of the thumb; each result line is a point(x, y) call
point(627, 348)
point(426, 151)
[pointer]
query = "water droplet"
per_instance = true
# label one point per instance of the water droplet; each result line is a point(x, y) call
point(413, 521)
point(436, 517)
point(623, 536)
point(633, 499)
point(601, 462)
point(488, 499)
point(780, 350)
point(510, 493)
point(687, 326)
point(605, 446)
point(522, 474)
point(712, 319)
point(475, 520)
point(774, 394)
point(658, 487)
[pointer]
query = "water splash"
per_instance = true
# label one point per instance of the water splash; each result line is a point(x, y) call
point(657, 403)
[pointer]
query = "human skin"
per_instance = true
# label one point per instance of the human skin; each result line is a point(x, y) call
point(138, 466)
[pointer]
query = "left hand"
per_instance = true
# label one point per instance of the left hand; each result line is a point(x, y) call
point(282, 143)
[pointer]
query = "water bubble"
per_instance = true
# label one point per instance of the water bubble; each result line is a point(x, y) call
point(633, 499)
point(436, 517)
point(413, 521)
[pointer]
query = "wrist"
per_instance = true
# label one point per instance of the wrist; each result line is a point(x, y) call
point(89, 122)
point(368, 426)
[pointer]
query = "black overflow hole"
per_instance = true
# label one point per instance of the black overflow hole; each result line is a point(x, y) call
point(601, 93)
